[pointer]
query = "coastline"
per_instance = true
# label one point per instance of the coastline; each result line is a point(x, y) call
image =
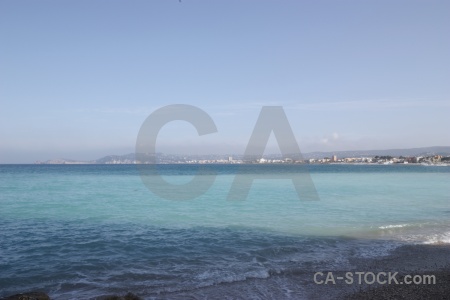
point(296, 284)
point(419, 259)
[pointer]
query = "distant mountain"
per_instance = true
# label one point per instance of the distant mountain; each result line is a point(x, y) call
point(168, 158)
point(111, 158)
point(63, 161)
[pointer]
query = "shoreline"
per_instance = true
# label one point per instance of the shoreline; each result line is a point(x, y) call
point(232, 164)
point(414, 259)
point(298, 284)
point(431, 259)
point(417, 259)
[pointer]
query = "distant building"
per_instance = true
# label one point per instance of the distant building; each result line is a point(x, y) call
point(334, 158)
point(436, 158)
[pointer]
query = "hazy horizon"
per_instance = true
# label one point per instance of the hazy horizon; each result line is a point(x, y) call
point(79, 78)
point(269, 152)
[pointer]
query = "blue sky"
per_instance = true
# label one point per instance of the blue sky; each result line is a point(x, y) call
point(78, 78)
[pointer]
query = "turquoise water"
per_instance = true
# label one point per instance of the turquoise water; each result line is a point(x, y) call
point(80, 231)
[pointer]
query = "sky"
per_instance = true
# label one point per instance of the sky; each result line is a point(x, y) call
point(78, 78)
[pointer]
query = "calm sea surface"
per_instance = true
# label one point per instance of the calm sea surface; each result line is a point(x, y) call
point(82, 231)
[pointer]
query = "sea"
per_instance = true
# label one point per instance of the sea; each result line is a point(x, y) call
point(86, 231)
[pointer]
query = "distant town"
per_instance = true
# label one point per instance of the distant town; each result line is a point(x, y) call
point(425, 156)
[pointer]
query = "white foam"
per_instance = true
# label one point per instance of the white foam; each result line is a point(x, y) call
point(393, 226)
point(211, 277)
point(443, 238)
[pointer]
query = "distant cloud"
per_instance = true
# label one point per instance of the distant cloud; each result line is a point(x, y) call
point(117, 110)
point(347, 105)
point(235, 108)
point(377, 104)
point(331, 139)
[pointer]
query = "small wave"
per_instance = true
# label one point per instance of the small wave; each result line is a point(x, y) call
point(437, 239)
point(378, 250)
point(216, 277)
point(393, 226)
